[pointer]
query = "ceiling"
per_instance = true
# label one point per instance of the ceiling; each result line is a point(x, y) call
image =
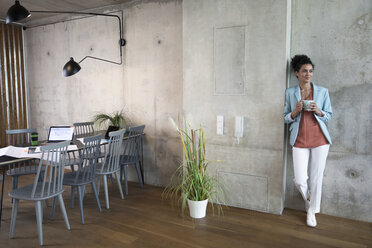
point(55, 5)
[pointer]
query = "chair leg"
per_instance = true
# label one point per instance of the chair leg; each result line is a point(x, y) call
point(14, 217)
point(112, 180)
point(84, 190)
point(80, 197)
point(39, 220)
point(53, 208)
point(63, 210)
point(125, 170)
point(121, 173)
point(96, 196)
point(98, 184)
point(119, 184)
point(139, 174)
point(72, 204)
point(105, 187)
point(15, 182)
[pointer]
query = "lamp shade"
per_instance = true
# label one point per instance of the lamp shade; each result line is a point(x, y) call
point(70, 68)
point(16, 13)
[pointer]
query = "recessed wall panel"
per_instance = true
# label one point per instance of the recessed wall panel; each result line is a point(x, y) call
point(229, 60)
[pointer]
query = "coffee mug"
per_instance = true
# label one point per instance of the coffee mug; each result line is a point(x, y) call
point(34, 138)
point(306, 104)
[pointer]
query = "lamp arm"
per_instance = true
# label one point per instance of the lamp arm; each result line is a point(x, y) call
point(91, 57)
point(121, 41)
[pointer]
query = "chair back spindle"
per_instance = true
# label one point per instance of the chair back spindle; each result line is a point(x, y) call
point(83, 128)
point(88, 159)
point(113, 151)
point(49, 176)
point(132, 145)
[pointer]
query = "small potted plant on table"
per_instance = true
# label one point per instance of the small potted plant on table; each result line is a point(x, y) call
point(115, 121)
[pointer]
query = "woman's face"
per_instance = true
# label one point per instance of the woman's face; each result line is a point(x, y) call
point(305, 74)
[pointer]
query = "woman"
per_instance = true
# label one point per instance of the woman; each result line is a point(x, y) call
point(308, 133)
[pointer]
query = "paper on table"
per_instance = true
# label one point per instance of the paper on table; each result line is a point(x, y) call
point(3, 151)
point(22, 152)
point(18, 152)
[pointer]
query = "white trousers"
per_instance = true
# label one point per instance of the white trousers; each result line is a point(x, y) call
point(318, 157)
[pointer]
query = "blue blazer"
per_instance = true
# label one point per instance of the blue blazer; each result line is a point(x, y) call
point(321, 98)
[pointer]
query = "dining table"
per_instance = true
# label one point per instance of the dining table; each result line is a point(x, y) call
point(20, 153)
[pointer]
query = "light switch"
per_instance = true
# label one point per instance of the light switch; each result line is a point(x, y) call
point(219, 124)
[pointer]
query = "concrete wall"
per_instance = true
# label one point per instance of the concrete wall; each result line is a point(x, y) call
point(153, 82)
point(148, 86)
point(337, 35)
point(174, 52)
point(251, 168)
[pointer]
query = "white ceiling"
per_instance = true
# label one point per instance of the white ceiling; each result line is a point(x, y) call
point(55, 5)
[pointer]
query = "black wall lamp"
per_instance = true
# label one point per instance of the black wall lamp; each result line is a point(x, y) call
point(17, 12)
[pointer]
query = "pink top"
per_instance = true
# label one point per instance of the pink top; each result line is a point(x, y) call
point(309, 134)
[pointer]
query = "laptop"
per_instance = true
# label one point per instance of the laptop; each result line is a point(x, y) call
point(60, 133)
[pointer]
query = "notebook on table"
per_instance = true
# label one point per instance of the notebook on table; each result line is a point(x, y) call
point(59, 134)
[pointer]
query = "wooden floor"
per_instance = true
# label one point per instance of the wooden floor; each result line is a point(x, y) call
point(143, 219)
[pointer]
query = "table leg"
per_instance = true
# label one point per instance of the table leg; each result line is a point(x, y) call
point(2, 195)
point(141, 164)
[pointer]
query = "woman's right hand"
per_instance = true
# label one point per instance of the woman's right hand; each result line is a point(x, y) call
point(297, 110)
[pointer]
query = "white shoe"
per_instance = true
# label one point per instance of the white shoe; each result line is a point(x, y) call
point(311, 220)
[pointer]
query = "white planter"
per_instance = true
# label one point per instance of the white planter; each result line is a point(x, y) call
point(197, 208)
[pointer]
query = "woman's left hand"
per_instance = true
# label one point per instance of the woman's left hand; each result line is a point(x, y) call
point(315, 108)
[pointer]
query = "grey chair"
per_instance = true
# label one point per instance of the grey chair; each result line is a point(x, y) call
point(82, 129)
point(85, 174)
point(110, 164)
point(20, 137)
point(47, 184)
point(131, 155)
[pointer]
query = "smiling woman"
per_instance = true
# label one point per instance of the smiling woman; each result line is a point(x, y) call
point(13, 96)
point(307, 108)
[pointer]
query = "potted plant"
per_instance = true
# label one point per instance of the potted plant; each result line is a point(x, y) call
point(191, 184)
point(115, 121)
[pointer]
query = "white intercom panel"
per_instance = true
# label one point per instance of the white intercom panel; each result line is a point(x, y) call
point(239, 127)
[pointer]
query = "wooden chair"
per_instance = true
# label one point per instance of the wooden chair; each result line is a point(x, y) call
point(47, 184)
point(110, 164)
point(85, 174)
point(82, 129)
point(20, 137)
point(131, 155)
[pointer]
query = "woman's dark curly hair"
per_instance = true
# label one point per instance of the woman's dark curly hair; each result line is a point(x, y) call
point(300, 60)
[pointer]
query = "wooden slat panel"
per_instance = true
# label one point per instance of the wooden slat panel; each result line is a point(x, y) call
point(13, 119)
point(13, 109)
point(7, 73)
point(7, 70)
point(23, 82)
point(17, 80)
point(3, 108)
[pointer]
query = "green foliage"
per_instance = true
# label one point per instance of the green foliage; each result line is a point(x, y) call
point(190, 180)
point(115, 119)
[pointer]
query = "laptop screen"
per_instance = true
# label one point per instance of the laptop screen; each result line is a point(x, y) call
point(60, 133)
